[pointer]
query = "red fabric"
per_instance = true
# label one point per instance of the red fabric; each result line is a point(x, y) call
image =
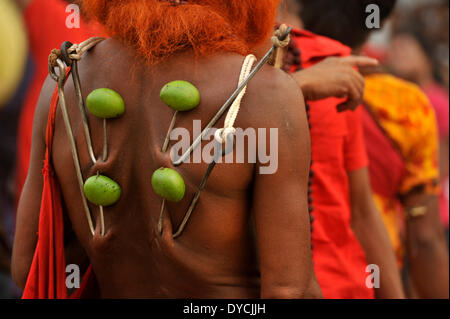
point(47, 276)
point(337, 147)
point(46, 27)
point(387, 167)
point(439, 99)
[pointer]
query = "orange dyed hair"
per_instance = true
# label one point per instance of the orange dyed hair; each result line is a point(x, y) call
point(157, 28)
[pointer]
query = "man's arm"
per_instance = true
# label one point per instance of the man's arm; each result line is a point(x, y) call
point(427, 248)
point(280, 206)
point(372, 235)
point(335, 77)
point(27, 221)
point(30, 200)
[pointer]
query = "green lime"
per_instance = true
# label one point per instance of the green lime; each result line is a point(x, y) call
point(180, 95)
point(101, 190)
point(105, 103)
point(168, 184)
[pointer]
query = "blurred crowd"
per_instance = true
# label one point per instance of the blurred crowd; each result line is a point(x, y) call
point(413, 45)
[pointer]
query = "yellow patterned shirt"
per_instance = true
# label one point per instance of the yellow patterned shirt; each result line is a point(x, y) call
point(406, 116)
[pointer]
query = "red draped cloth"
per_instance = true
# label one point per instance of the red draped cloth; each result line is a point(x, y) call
point(387, 166)
point(47, 276)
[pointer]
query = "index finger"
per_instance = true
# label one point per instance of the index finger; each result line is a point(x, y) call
point(361, 61)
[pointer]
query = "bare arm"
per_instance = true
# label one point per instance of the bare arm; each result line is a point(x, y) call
point(27, 221)
point(280, 200)
point(372, 235)
point(30, 200)
point(427, 249)
point(335, 77)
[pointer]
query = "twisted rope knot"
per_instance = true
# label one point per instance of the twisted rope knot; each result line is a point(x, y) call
point(279, 33)
point(54, 55)
point(75, 52)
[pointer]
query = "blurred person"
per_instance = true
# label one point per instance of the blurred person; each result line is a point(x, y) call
point(250, 234)
point(5, 260)
point(14, 76)
point(343, 205)
point(13, 49)
point(9, 119)
point(45, 22)
point(401, 138)
point(401, 134)
point(409, 58)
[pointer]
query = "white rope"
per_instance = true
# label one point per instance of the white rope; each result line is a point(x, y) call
point(222, 134)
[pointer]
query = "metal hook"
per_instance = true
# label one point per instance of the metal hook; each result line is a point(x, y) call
point(228, 103)
point(76, 161)
point(196, 198)
point(171, 126)
point(81, 106)
point(213, 121)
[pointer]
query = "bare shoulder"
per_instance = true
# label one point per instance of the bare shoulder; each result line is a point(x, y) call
point(276, 85)
point(42, 109)
point(276, 100)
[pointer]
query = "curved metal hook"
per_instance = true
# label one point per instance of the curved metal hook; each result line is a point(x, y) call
point(73, 146)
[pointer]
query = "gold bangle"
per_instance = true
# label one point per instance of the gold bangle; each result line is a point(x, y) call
point(417, 212)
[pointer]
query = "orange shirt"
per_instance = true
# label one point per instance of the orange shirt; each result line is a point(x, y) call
point(337, 148)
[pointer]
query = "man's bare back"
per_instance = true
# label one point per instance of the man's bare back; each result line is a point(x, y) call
point(249, 235)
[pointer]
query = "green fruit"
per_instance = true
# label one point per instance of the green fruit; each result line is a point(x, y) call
point(101, 190)
point(105, 103)
point(180, 95)
point(168, 184)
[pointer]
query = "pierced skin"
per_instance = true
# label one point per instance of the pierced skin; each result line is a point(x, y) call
point(249, 236)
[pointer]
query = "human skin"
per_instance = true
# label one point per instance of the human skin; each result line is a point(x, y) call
point(427, 250)
point(335, 77)
point(372, 235)
point(286, 13)
point(408, 60)
point(249, 236)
